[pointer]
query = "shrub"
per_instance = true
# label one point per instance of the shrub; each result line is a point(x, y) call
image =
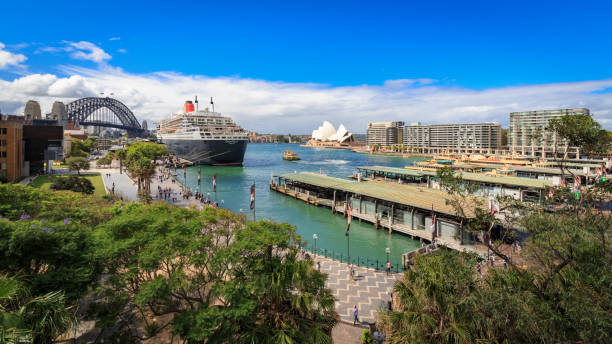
point(73, 183)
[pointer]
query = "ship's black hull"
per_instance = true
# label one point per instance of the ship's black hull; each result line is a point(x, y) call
point(208, 152)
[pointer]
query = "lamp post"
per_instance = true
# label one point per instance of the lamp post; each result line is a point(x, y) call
point(315, 237)
point(388, 251)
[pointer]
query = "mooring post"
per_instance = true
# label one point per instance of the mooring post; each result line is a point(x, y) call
point(334, 203)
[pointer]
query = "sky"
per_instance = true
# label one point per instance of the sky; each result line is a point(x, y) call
point(285, 66)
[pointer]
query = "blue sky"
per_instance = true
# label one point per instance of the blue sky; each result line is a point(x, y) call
point(471, 46)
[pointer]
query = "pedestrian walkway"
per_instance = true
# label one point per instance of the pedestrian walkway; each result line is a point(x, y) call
point(370, 290)
point(124, 186)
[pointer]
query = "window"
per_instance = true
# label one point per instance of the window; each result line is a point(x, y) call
point(3, 143)
point(2, 131)
point(3, 154)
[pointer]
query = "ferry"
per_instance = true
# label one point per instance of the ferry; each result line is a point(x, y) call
point(203, 137)
point(290, 156)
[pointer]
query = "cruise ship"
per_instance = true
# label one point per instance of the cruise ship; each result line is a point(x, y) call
point(203, 137)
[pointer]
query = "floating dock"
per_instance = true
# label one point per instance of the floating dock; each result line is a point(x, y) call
point(402, 208)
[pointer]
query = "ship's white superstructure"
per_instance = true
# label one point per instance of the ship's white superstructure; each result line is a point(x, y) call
point(203, 137)
point(200, 125)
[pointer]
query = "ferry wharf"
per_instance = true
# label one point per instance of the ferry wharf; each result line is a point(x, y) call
point(401, 208)
point(520, 188)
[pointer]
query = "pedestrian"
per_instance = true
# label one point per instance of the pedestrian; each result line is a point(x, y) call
point(352, 272)
point(492, 261)
point(355, 315)
point(319, 266)
point(388, 268)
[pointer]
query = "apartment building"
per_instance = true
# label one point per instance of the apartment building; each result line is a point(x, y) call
point(527, 134)
point(384, 134)
point(469, 135)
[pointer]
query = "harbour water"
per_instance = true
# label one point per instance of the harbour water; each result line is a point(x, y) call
point(263, 160)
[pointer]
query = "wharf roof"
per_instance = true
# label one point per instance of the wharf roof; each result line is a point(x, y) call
point(426, 199)
point(569, 164)
point(469, 176)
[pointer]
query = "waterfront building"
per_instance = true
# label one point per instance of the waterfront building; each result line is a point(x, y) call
point(403, 208)
point(11, 148)
point(522, 189)
point(528, 134)
point(327, 132)
point(384, 134)
point(470, 135)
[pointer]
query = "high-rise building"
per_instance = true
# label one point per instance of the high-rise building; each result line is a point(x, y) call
point(384, 134)
point(32, 110)
point(528, 134)
point(471, 135)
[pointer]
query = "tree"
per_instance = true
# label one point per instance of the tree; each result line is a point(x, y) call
point(31, 319)
point(558, 289)
point(150, 150)
point(120, 155)
point(504, 138)
point(580, 131)
point(142, 169)
point(73, 183)
point(210, 277)
point(77, 164)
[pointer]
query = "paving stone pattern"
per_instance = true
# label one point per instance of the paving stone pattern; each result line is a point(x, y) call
point(367, 291)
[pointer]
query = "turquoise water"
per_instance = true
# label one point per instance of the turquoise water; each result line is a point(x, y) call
point(263, 160)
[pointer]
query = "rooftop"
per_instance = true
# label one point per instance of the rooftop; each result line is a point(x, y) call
point(412, 196)
point(469, 176)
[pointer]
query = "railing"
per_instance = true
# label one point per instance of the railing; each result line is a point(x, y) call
point(376, 264)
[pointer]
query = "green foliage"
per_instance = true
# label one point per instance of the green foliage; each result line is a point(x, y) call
point(558, 290)
point(367, 337)
point(221, 280)
point(206, 276)
point(581, 131)
point(77, 164)
point(150, 150)
point(104, 161)
point(81, 148)
point(31, 319)
point(73, 183)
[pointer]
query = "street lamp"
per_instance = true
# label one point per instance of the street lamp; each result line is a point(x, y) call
point(388, 251)
point(315, 237)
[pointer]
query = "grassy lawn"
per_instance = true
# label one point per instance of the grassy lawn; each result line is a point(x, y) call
point(45, 182)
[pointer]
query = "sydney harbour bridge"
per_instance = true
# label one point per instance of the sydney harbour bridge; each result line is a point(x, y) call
point(104, 112)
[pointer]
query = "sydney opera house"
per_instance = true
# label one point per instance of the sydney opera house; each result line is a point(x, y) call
point(326, 133)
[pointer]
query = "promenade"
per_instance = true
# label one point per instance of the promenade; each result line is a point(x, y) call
point(370, 290)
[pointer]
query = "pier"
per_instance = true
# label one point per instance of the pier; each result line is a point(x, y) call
point(523, 189)
point(405, 209)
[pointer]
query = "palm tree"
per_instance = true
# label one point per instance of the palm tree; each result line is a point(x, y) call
point(31, 319)
point(121, 155)
point(142, 169)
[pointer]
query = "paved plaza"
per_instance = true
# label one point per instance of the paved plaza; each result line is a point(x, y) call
point(368, 291)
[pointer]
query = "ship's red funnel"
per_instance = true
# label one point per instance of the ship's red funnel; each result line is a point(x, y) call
point(189, 106)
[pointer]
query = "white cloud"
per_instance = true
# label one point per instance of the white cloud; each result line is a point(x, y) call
point(123, 51)
point(84, 50)
point(267, 106)
point(8, 59)
point(114, 38)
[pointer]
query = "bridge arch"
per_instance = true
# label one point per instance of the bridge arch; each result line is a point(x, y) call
point(85, 112)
